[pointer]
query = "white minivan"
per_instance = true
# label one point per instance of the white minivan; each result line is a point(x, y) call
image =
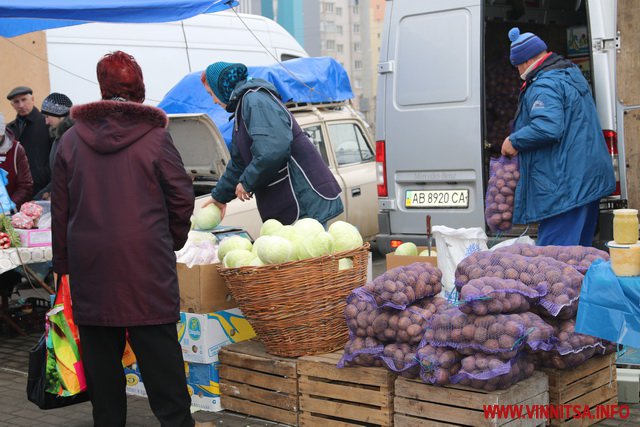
point(447, 92)
point(166, 51)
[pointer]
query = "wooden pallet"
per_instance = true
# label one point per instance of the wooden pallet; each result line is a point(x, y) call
point(590, 384)
point(354, 396)
point(259, 384)
point(418, 404)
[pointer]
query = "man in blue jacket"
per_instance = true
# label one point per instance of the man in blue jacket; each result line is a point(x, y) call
point(271, 156)
point(565, 168)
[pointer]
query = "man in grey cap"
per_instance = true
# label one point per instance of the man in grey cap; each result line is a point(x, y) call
point(31, 130)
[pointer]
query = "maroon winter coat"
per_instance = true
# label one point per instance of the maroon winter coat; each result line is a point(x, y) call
point(121, 206)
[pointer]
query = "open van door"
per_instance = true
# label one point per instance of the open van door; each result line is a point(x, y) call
point(429, 130)
point(628, 97)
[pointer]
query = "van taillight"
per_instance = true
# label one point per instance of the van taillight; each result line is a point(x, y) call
point(381, 169)
point(611, 138)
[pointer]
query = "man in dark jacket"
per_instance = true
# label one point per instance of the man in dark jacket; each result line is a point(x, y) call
point(271, 156)
point(121, 206)
point(55, 109)
point(565, 168)
point(30, 129)
point(14, 161)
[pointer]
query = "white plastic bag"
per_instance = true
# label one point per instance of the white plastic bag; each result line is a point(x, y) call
point(205, 252)
point(522, 239)
point(453, 245)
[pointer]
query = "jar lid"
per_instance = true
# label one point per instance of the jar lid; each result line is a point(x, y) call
point(626, 211)
point(613, 244)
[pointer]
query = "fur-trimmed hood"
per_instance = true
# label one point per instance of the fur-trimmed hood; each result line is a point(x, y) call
point(110, 126)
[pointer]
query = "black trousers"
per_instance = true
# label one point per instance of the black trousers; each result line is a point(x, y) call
point(159, 358)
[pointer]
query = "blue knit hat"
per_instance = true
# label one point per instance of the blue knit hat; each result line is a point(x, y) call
point(524, 46)
point(222, 78)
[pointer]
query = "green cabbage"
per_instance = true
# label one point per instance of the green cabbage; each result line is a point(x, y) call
point(207, 218)
point(233, 242)
point(237, 258)
point(270, 227)
point(346, 236)
point(275, 249)
point(407, 249)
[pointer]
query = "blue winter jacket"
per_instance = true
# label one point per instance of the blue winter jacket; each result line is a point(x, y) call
point(564, 162)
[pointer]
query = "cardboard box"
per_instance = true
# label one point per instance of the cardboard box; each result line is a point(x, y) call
point(135, 385)
point(202, 290)
point(202, 335)
point(203, 383)
point(394, 260)
point(35, 237)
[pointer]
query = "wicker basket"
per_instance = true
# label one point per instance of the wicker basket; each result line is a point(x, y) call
point(297, 308)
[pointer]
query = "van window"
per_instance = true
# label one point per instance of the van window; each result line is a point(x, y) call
point(287, 57)
point(349, 144)
point(425, 57)
point(315, 135)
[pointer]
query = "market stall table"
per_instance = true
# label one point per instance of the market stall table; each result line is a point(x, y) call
point(19, 257)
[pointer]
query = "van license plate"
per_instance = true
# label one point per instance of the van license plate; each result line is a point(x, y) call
point(437, 199)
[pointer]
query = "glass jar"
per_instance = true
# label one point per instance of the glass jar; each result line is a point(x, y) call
point(625, 226)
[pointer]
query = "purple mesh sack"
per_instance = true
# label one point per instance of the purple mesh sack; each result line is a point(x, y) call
point(365, 319)
point(540, 335)
point(401, 358)
point(488, 372)
point(402, 286)
point(561, 281)
point(503, 179)
point(492, 295)
point(579, 257)
point(500, 334)
point(361, 352)
point(437, 364)
point(571, 349)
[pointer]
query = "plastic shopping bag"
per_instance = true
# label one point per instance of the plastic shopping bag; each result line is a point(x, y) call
point(6, 204)
point(453, 245)
point(56, 377)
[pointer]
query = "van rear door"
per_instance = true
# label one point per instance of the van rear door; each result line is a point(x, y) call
point(628, 95)
point(202, 148)
point(430, 80)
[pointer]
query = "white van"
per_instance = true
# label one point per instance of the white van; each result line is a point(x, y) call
point(165, 51)
point(446, 94)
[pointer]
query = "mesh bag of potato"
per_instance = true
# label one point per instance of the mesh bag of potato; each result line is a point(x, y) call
point(503, 180)
point(559, 282)
point(437, 364)
point(571, 348)
point(361, 352)
point(492, 295)
point(500, 334)
point(401, 358)
point(579, 257)
point(402, 286)
point(488, 372)
point(365, 319)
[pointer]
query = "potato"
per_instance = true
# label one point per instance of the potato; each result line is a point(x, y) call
point(488, 372)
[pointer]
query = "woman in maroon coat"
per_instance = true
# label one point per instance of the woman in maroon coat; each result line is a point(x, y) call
point(121, 206)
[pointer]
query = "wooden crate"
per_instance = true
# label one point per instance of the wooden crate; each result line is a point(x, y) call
point(418, 404)
point(353, 396)
point(590, 384)
point(259, 384)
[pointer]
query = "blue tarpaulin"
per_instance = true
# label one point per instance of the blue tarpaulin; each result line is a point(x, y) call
point(609, 306)
point(24, 16)
point(316, 80)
